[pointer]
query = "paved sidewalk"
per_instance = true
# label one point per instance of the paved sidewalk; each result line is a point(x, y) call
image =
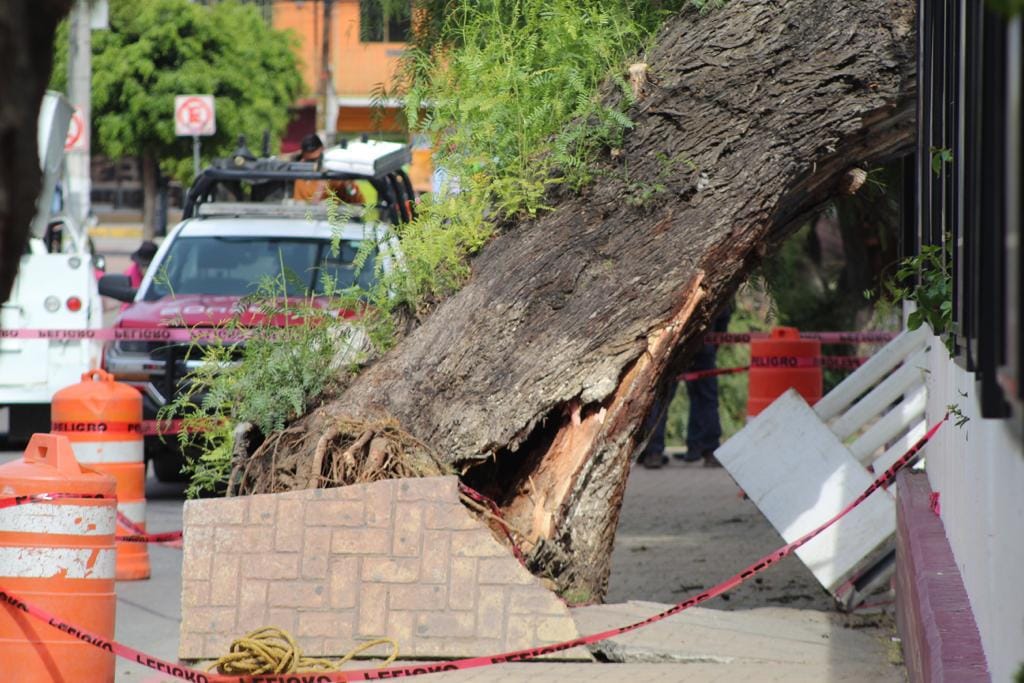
point(683, 529)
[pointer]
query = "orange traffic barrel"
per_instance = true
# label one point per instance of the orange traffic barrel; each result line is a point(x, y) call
point(103, 420)
point(58, 555)
point(782, 361)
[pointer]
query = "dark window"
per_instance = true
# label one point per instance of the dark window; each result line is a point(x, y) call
point(968, 173)
point(373, 28)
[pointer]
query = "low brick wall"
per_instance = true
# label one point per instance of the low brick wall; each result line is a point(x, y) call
point(400, 558)
point(940, 638)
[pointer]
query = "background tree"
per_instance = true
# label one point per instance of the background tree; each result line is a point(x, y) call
point(156, 49)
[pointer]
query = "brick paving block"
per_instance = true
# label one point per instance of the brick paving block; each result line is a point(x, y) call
point(288, 527)
point(373, 609)
point(197, 553)
point(262, 510)
point(364, 541)
point(224, 580)
point(334, 567)
point(316, 552)
point(344, 583)
point(452, 516)
point(408, 530)
point(435, 559)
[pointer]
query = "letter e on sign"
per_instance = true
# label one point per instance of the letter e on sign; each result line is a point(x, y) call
point(194, 115)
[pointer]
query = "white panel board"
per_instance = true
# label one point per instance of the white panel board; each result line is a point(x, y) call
point(799, 475)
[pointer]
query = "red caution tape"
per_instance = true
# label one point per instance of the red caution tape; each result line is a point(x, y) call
point(864, 337)
point(831, 362)
point(713, 372)
point(188, 674)
point(139, 535)
point(155, 334)
point(15, 501)
point(182, 334)
point(96, 427)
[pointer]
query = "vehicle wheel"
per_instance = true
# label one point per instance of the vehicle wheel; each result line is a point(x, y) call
point(167, 463)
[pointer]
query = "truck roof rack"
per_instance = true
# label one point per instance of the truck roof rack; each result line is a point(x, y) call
point(248, 183)
point(301, 210)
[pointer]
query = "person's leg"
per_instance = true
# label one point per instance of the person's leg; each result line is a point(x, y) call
point(653, 455)
point(703, 429)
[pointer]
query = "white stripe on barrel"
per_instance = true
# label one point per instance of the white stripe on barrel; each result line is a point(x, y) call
point(45, 518)
point(91, 452)
point(69, 563)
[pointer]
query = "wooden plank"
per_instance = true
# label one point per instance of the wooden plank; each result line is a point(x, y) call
point(799, 475)
point(908, 376)
point(867, 375)
point(891, 425)
point(900, 446)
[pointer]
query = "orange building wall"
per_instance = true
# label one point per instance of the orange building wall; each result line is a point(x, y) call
point(303, 20)
point(358, 67)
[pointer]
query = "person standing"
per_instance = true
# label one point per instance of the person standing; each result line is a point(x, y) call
point(311, 149)
point(704, 427)
point(141, 258)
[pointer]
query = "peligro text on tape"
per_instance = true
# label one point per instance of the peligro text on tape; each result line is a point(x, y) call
point(138, 534)
point(831, 362)
point(96, 427)
point(864, 337)
point(761, 565)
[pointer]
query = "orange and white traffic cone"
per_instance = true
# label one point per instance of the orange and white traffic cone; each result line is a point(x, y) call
point(58, 555)
point(103, 421)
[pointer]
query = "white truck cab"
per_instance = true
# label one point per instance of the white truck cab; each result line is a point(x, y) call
point(55, 289)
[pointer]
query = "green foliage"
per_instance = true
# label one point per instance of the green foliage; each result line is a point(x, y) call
point(940, 156)
point(926, 279)
point(1008, 7)
point(513, 89)
point(156, 49)
point(293, 350)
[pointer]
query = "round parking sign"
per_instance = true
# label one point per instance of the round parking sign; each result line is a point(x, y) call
point(76, 132)
point(194, 115)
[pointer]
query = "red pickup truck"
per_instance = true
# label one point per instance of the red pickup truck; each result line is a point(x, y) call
point(222, 250)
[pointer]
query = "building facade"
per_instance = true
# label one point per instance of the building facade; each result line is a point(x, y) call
point(350, 54)
point(969, 172)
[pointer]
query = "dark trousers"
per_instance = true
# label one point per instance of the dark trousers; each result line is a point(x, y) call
point(703, 427)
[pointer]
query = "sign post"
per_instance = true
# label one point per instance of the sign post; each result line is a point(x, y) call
point(194, 116)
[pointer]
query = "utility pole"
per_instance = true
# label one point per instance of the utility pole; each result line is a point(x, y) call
point(77, 185)
point(326, 88)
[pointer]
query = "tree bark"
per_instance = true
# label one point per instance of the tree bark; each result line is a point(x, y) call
point(27, 29)
point(150, 174)
point(533, 380)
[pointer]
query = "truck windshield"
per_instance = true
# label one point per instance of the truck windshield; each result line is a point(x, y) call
point(235, 266)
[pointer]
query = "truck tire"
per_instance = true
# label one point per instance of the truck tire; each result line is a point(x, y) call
point(168, 462)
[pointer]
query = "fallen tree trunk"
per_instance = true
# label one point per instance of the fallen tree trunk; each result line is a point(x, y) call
point(533, 380)
point(27, 28)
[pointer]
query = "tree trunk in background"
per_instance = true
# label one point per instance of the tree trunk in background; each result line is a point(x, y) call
point(534, 379)
point(150, 176)
point(27, 30)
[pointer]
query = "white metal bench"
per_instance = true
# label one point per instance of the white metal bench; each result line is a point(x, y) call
point(801, 465)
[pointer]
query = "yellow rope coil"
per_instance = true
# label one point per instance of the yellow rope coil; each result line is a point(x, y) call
point(274, 650)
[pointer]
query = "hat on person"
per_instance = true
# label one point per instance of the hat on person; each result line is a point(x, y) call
point(145, 253)
point(310, 143)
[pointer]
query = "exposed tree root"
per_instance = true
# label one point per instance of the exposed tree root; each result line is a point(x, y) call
point(347, 452)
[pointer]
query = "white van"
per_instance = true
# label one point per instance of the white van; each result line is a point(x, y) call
point(55, 289)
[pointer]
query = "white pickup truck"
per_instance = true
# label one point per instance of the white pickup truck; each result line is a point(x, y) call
point(56, 289)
